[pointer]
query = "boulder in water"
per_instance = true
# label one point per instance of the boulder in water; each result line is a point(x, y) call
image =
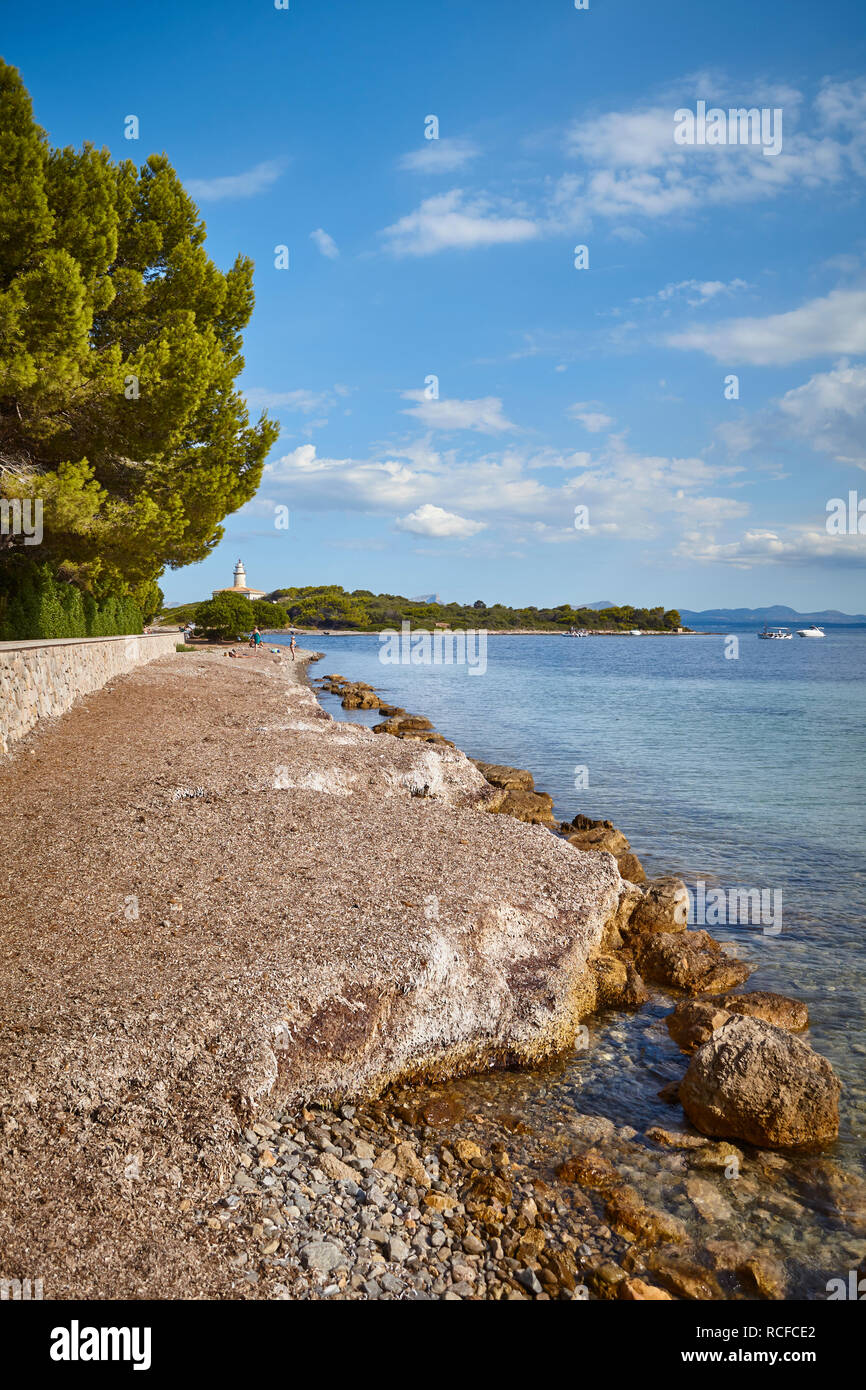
point(756, 1082)
point(691, 961)
point(791, 1014)
point(693, 1021)
point(511, 779)
point(663, 907)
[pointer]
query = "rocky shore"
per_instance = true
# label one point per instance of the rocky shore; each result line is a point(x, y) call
point(245, 922)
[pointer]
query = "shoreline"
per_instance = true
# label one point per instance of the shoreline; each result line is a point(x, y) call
point(197, 999)
point(722, 1270)
point(491, 632)
point(413, 1198)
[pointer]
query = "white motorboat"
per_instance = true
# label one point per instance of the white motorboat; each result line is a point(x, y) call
point(776, 634)
point(635, 632)
point(813, 631)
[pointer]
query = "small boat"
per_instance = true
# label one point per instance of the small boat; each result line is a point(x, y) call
point(635, 632)
point(813, 631)
point(776, 634)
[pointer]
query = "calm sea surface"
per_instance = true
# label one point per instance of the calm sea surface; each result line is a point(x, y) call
point(747, 772)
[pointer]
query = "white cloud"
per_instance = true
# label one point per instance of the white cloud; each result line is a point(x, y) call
point(830, 326)
point(632, 169)
point(325, 243)
point(829, 410)
point(635, 496)
point(452, 221)
point(796, 547)
point(592, 419)
point(484, 415)
point(439, 156)
point(842, 105)
point(430, 520)
point(246, 185)
point(696, 292)
point(827, 413)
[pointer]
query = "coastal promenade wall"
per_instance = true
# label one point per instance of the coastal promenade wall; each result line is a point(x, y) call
point(41, 679)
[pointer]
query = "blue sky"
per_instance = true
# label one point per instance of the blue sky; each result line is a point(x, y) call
point(453, 258)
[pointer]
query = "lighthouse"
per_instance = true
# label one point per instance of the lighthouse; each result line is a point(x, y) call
point(240, 585)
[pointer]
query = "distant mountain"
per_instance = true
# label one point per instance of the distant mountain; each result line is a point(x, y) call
point(426, 598)
point(776, 615)
point(597, 607)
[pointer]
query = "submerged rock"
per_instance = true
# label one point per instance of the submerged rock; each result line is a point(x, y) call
point(684, 1277)
point(669, 1093)
point(837, 1193)
point(756, 1082)
point(764, 1275)
point(638, 1290)
point(591, 1170)
point(629, 1215)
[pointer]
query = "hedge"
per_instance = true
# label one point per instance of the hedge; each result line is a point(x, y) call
point(42, 606)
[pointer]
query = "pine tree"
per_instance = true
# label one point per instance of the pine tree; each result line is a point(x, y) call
point(226, 615)
point(120, 344)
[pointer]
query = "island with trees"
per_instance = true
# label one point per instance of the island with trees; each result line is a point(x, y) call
point(327, 608)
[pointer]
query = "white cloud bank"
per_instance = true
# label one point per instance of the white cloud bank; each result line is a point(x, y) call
point(831, 326)
point(796, 546)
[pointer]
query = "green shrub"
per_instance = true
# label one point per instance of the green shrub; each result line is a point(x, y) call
point(225, 617)
point(34, 604)
point(266, 614)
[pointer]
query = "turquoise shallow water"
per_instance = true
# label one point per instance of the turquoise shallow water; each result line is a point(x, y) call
point(739, 773)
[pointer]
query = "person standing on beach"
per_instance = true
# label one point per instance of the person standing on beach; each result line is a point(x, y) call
point(292, 646)
point(257, 639)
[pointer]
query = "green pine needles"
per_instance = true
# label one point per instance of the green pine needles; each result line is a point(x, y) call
point(120, 344)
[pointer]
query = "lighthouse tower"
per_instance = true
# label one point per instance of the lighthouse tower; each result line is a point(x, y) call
point(240, 585)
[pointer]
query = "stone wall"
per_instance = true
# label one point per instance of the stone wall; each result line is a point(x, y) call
point(41, 679)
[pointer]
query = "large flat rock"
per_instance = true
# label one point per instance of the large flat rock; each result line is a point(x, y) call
point(215, 896)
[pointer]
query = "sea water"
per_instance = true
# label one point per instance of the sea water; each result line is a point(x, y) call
point(733, 772)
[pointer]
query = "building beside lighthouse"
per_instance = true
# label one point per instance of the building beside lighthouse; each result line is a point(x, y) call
point(240, 585)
